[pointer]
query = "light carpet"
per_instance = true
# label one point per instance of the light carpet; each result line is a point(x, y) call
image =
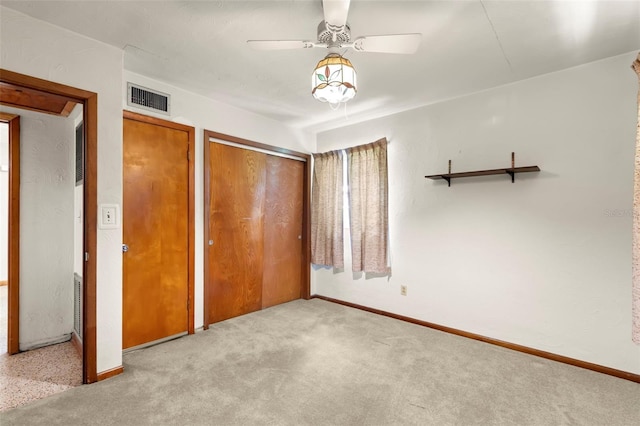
point(318, 363)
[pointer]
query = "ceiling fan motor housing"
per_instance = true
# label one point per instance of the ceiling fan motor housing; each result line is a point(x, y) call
point(326, 33)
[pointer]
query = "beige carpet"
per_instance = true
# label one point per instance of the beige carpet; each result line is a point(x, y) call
point(318, 363)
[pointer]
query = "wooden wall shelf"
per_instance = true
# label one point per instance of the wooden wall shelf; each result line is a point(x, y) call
point(511, 171)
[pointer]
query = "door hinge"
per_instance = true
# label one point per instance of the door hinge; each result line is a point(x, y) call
point(188, 305)
point(86, 256)
point(188, 155)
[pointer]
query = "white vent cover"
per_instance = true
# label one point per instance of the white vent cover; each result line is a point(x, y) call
point(152, 100)
point(77, 304)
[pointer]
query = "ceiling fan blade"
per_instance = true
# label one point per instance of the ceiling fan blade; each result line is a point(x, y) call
point(282, 44)
point(335, 12)
point(394, 43)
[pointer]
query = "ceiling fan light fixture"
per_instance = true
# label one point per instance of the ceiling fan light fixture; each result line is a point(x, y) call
point(334, 80)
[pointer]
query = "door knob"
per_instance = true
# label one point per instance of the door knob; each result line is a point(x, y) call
point(125, 248)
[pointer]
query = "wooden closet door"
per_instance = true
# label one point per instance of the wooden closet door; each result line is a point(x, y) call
point(155, 215)
point(282, 275)
point(236, 227)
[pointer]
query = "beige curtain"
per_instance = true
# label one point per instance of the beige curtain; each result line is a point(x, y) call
point(368, 204)
point(327, 242)
point(636, 224)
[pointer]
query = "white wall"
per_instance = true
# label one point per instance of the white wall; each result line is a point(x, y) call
point(46, 228)
point(205, 114)
point(78, 229)
point(4, 200)
point(544, 262)
point(35, 48)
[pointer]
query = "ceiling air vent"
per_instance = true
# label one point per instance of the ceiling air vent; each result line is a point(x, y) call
point(151, 100)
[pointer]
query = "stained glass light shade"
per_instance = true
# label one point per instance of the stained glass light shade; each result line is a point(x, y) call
point(334, 80)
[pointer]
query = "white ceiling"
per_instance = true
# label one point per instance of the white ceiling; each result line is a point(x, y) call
point(467, 46)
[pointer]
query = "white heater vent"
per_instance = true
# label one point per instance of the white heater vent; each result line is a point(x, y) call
point(77, 304)
point(142, 97)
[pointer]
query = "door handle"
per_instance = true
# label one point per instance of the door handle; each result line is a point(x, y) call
point(125, 248)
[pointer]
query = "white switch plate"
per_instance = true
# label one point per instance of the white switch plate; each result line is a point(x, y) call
point(109, 216)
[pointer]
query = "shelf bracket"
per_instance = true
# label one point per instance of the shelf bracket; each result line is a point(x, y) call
point(513, 166)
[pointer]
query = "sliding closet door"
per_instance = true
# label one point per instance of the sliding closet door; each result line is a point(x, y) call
point(283, 231)
point(236, 229)
point(255, 227)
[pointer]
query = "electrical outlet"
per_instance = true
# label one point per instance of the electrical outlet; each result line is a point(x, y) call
point(403, 290)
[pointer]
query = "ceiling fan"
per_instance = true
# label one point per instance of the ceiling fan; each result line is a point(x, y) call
point(334, 79)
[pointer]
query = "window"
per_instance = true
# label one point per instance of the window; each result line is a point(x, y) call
point(358, 195)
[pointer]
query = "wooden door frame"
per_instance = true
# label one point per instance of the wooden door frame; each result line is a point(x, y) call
point(13, 233)
point(305, 279)
point(191, 132)
point(89, 100)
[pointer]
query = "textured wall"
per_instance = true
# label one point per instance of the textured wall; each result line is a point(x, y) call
point(78, 231)
point(544, 262)
point(46, 228)
point(636, 224)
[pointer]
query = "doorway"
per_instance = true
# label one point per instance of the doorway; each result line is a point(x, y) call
point(4, 237)
point(30, 93)
point(11, 124)
point(256, 251)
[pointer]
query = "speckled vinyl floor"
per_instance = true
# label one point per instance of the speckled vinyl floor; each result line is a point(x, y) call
point(4, 307)
point(35, 374)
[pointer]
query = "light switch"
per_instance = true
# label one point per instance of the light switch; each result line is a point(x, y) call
point(109, 216)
